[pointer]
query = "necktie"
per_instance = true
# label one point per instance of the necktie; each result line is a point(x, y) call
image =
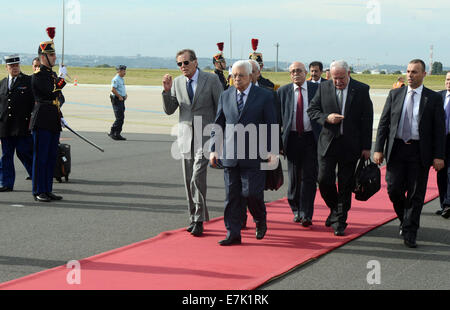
point(240, 103)
point(190, 90)
point(407, 122)
point(299, 120)
point(340, 98)
point(447, 115)
point(11, 83)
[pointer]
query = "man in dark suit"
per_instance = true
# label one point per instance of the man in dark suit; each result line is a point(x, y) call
point(344, 109)
point(299, 139)
point(443, 175)
point(411, 135)
point(242, 110)
point(16, 104)
point(316, 70)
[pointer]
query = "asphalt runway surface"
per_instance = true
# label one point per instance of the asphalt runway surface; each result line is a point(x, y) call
point(134, 191)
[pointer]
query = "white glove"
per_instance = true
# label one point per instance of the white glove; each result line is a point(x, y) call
point(63, 122)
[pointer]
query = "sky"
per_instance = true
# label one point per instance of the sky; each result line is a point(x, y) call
point(359, 31)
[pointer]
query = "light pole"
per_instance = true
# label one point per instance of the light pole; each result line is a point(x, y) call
point(64, 14)
point(277, 45)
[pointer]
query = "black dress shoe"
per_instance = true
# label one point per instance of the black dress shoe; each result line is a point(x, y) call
point(297, 219)
point(120, 137)
point(191, 226)
point(5, 189)
point(410, 242)
point(197, 231)
point(439, 212)
point(54, 197)
point(306, 222)
point(261, 230)
point(230, 241)
point(446, 213)
point(42, 198)
point(339, 232)
point(28, 178)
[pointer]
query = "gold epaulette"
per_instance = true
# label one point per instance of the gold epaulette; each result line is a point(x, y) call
point(37, 71)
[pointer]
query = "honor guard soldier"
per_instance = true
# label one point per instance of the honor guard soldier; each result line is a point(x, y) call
point(266, 83)
point(16, 104)
point(220, 64)
point(46, 122)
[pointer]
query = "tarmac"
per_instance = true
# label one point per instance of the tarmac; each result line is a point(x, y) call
point(134, 191)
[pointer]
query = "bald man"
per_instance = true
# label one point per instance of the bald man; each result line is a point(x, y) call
point(299, 137)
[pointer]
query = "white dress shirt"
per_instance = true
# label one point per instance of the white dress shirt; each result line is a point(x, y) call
point(306, 121)
point(238, 93)
point(415, 120)
point(11, 81)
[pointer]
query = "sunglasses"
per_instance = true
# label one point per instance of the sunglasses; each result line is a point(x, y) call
point(186, 62)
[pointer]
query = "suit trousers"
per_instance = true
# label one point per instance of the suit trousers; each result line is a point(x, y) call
point(243, 187)
point(443, 178)
point(194, 173)
point(119, 112)
point(338, 198)
point(45, 150)
point(302, 171)
point(23, 146)
point(407, 179)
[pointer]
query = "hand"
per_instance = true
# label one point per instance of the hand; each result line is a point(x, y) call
point(365, 154)
point(334, 118)
point(167, 83)
point(213, 159)
point(126, 97)
point(438, 164)
point(63, 122)
point(378, 158)
point(120, 98)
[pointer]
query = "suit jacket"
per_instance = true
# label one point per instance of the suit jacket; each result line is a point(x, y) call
point(287, 95)
point(16, 106)
point(258, 110)
point(431, 125)
point(358, 118)
point(206, 99)
point(443, 94)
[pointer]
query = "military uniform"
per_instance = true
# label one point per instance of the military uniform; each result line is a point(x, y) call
point(46, 127)
point(16, 104)
point(219, 58)
point(266, 83)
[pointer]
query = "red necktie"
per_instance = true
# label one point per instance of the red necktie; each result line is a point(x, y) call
point(299, 122)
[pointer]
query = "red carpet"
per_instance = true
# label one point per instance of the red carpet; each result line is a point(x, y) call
point(177, 261)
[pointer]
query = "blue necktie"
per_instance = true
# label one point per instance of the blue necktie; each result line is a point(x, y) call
point(240, 103)
point(190, 90)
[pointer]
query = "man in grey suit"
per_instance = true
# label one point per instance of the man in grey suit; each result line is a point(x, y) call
point(196, 94)
point(299, 137)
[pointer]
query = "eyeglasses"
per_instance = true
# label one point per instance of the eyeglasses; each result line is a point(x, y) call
point(293, 71)
point(186, 62)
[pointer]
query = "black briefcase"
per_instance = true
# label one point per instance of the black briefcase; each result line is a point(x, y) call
point(63, 163)
point(274, 178)
point(367, 180)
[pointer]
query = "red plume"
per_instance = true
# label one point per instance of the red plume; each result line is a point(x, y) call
point(51, 32)
point(220, 46)
point(255, 44)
